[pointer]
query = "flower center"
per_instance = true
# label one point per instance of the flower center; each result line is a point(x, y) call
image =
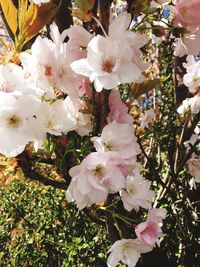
point(196, 79)
point(14, 121)
point(49, 124)
point(131, 190)
point(184, 10)
point(99, 171)
point(108, 65)
point(109, 146)
point(6, 88)
point(48, 71)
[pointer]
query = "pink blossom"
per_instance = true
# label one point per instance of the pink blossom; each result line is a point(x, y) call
point(114, 59)
point(96, 177)
point(187, 14)
point(150, 230)
point(118, 137)
point(118, 110)
point(48, 65)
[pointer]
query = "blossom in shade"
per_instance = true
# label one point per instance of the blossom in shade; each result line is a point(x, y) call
point(137, 192)
point(118, 109)
point(96, 176)
point(127, 251)
point(194, 167)
point(147, 118)
point(118, 137)
point(193, 139)
point(150, 231)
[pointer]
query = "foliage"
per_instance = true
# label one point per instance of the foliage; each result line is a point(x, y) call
point(98, 117)
point(39, 228)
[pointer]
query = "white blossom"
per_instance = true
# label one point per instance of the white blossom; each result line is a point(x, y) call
point(127, 251)
point(118, 137)
point(194, 167)
point(114, 59)
point(192, 78)
point(137, 193)
point(17, 123)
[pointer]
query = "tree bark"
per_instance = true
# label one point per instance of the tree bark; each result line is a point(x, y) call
point(64, 18)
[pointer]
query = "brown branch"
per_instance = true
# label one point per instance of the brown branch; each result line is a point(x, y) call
point(94, 218)
point(25, 163)
point(153, 170)
point(46, 181)
point(105, 13)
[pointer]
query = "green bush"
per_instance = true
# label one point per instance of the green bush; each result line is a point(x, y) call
point(39, 228)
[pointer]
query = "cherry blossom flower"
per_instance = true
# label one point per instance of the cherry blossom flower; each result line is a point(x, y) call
point(114, 59)
point(17, 123)
point(194, 167)
point(118, 137)
point(193, 139)
point(48, 65)
point(73, 106)
point(190, 104)
point(192, 78)
point(150, 231)
point(13, 80)
point(187, 14)
point(127, 251)
point(118, 110)
point(96, 176)
point(147, 118)
point(187, 45)
point(78, 40)
point(137, 192)
point(108, 63)
point(195, 104)
point(120, 29)
point(55, 119)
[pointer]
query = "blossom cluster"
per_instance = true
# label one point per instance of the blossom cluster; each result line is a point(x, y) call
point(187, 16)
point(31, 94)
point(49, 91)
point(113, 168)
